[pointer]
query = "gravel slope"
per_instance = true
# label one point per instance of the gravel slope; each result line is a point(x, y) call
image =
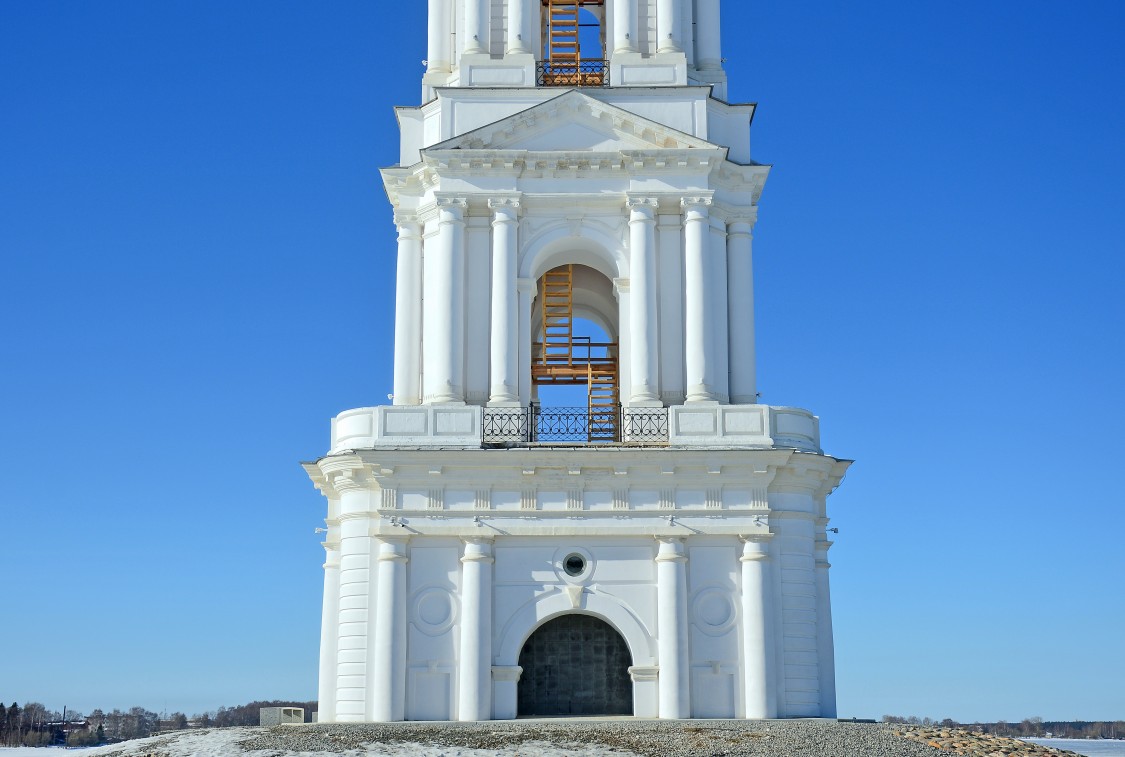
point(569, 738)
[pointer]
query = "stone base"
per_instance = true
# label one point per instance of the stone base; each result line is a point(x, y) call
point(660, 70)
point(706, 425)
point(407, 426)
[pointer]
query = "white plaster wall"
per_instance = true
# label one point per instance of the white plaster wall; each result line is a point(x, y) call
point(714, 628)
point(433, 614)
point(537, 506)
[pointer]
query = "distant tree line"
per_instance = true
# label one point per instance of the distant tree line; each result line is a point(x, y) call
point(1028, 728)
point(34, 725)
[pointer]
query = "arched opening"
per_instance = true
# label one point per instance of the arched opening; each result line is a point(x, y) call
point(573, 33)
point(575, 362)
point(575, 665)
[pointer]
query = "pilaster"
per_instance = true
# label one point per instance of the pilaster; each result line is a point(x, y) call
point(388, 687)
point(475, 684)
point(672, 635)
point(757, 643)
point(825, 645)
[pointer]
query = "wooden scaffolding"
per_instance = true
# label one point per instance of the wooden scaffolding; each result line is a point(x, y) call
point(562, 359)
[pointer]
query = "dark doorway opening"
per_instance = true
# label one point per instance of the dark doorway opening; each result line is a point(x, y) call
point(575, 665)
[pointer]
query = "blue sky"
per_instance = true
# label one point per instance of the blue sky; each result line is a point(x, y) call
point(197, 273)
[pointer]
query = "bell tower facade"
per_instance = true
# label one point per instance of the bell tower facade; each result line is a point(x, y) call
point(513, 43)
point(574, 503)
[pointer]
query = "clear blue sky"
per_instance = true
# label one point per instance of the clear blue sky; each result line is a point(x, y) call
point(189, 203)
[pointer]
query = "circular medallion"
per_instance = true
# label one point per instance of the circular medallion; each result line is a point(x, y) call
point(713, 611)
point(434, 611)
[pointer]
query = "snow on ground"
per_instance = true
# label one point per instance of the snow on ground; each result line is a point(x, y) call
point(223, 743)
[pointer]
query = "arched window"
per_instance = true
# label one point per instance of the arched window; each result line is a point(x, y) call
point(575, 365)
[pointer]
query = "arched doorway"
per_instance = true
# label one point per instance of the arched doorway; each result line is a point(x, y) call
point(575, 665)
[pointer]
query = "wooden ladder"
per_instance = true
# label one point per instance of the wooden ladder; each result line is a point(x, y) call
point(602, 403)
point(558, 317)
point(563, 37)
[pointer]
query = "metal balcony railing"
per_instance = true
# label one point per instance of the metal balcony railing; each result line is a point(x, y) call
point(581, 73)
point(524, 426)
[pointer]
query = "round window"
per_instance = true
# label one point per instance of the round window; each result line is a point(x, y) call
point(574, 564)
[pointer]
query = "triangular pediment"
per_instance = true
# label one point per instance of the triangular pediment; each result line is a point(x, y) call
point(574, 122)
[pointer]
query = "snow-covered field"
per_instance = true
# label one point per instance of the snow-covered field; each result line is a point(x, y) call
point(224, 743)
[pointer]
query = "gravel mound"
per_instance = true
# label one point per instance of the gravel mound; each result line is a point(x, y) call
point(620, 737)
point(624, 738)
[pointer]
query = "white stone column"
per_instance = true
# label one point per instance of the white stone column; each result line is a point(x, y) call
point(444, 321)
point(698, 325)
point(670, 254)
point(329, 622)
point(717, 296)
point(826, 654)
point(474, 700)
point(519, 13)
point(408, 312)
point(671, 629)
point(504, 348)
point(527, 289)
point(644, 345)
point(667, 26)
point(624, 26)
point(740, 301)
point(439, 40)
point(757, 647)
point(351, 679)
point(476, 26)
point(388, 689)
point(327, 685)
point(708, 47)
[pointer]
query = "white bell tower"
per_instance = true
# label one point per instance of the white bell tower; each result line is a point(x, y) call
point(575, 163)
point(505, 43)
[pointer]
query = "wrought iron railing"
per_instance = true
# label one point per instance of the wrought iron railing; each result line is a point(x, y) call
point(519, 426)
point(572, 73)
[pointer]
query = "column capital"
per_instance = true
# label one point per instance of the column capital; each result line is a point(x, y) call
point(699, 203)
point(671, 549)
point(642, 205)
point(742, 220)
point(392, 549)
point(755, 548)
point(500, 202)
point(477, 549)
point(405, 218)
point(527, 286)
point(454, 203)
point(620, 286)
